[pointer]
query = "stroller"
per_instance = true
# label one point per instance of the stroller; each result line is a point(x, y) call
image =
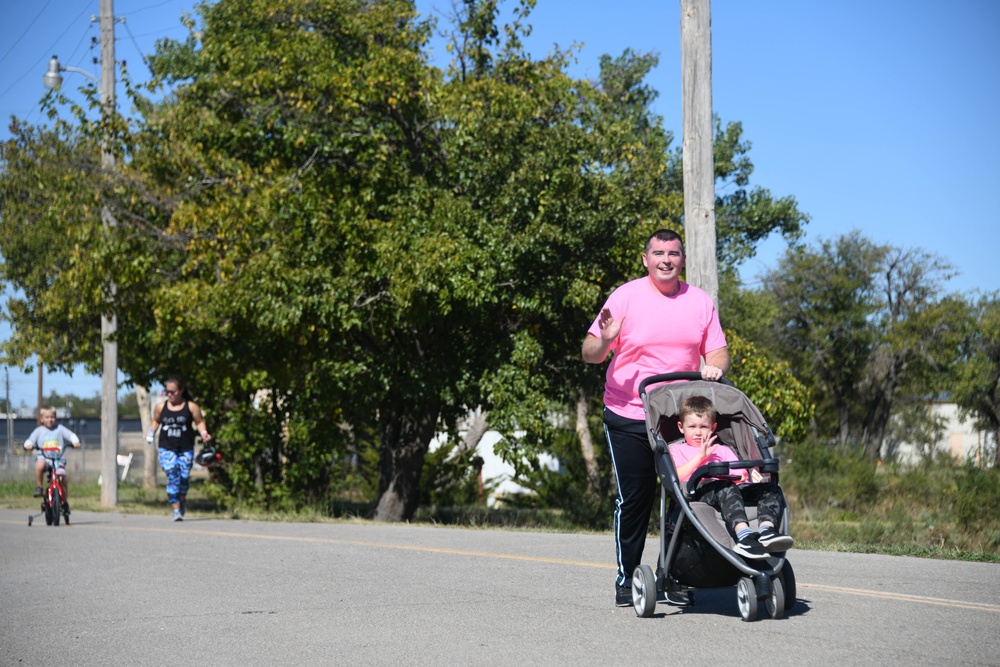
point(695, 544)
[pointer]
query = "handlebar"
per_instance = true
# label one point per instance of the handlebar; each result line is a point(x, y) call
point(667, 377)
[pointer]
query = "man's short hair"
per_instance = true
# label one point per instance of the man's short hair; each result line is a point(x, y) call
point(664, 235)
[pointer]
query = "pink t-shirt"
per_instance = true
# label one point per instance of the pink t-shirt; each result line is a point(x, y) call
point(659, 334)
point(682, 452)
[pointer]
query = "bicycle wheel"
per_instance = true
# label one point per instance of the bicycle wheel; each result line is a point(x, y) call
point(47, 508)
point(56, 504)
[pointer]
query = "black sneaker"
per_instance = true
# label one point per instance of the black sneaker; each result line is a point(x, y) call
point(623, 596)
point(38, 492)
point(749, 547)
point(680, 598)
point(774, 541)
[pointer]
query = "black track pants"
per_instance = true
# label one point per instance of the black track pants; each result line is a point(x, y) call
point(636, 476)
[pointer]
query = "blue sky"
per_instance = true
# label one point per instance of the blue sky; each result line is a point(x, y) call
point(876, 116)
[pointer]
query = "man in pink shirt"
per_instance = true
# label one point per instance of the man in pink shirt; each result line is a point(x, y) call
point(654, 324)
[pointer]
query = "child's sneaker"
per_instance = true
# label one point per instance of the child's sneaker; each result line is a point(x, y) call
point(38, 492)
point(774, 541)
point(178, 516)
point(749, 547)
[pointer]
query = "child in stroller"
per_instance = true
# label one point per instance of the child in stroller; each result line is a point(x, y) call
point(697, 549)
point(697, 424)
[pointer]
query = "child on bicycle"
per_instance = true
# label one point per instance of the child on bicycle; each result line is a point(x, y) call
point(697, 424)
point(49, 437)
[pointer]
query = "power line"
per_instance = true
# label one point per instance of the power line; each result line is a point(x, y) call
point(142, 9)
point(45, 54)
point(136, 45)
point(25, 31)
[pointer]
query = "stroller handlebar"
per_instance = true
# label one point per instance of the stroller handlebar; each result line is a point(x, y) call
point(667, 377)
point(671, 377)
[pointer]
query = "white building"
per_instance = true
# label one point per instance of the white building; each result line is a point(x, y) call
point(959, 437)
point(495, 468)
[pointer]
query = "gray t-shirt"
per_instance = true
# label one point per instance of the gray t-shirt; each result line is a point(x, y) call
point(52, 439)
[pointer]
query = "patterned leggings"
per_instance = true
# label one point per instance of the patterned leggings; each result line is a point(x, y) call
point(177, 466)
point(731, 501)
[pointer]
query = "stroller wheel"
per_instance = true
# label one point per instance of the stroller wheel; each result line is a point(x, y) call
point(775, 602)
point(746, 599)
point(788, 579)
point(643, 591)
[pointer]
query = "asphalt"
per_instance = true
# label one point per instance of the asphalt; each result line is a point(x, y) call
point(114, 589)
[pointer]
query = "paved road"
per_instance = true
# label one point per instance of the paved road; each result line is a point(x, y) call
point(115, 589)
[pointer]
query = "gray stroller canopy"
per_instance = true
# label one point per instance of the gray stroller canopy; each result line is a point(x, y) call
point(739, 421)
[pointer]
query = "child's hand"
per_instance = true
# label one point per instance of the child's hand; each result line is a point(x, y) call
point(755, 476)
point(709, 446)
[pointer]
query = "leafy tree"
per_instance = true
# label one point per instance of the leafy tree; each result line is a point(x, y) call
point(825, 299)
point(342, 248)
point(860, 323)
point(772, 387)
point(49, 211)
point(745, 216)
point(977, 386)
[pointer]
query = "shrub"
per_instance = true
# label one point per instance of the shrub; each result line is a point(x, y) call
point(821, 475)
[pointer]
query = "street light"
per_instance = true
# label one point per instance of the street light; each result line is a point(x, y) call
point(109, 323)
point(53, 79)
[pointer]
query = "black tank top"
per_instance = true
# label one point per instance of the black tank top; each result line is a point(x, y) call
point(178, 429)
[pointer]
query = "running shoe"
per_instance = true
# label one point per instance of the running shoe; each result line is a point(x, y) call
point(749, 547)
point(774, 541)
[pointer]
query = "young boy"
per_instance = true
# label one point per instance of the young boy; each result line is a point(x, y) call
point(49, 436)
point(697, 424)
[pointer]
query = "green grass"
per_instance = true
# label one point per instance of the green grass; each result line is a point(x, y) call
point(131, 499)
point(937, 510)
point(944, 512)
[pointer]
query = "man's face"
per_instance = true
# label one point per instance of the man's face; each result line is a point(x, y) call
point(696, 429)
point(664, 261)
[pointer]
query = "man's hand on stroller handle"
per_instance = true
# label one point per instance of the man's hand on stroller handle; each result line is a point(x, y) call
point(713, 373)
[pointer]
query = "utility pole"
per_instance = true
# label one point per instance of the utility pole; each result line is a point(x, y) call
point(9, 421)
point(109, 322)
point(699, 170)
point(38, 410)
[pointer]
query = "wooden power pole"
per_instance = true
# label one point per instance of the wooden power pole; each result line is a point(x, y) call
point(109, 323)
point(699, 170)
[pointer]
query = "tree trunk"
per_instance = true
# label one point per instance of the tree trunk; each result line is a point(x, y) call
point(405, 440)
point(843, 424)
point(146, 419)
point(996, 448)
point(587, 444)
point(477, 427)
